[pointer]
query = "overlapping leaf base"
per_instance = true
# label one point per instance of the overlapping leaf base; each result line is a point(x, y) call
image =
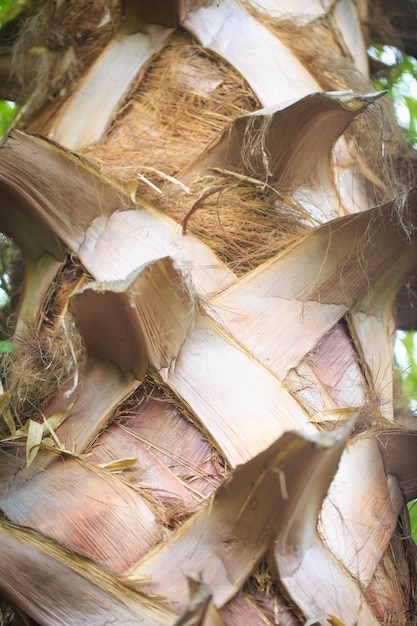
point(220, 444)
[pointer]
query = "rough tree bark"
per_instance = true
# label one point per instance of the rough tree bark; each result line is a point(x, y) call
point(199, 415)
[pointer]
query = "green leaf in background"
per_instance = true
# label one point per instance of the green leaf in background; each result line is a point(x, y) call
point(10, 9)
point(412, 510)
point(5, 346)
point(406, 368)
point(8, 111)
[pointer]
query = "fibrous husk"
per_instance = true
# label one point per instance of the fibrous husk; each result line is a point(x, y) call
point(55, 43)
point(225, 383)
point(334, 53)
point(87, 115)
point(172, 114)
point(43, 356)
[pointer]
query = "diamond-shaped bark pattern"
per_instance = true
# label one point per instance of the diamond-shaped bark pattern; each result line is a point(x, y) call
point(207, 428)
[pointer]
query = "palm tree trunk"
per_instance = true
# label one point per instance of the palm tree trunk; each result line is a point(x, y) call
point(199, 412)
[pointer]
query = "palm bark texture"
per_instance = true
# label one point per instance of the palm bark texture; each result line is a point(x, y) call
point(199, 417)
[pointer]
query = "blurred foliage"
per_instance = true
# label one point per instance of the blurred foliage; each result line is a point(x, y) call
point(11, 9)
point(412, 510)
point(11, 280)
point(406, 365)
point(406, 368)
point(8, 111)
point(397, 73)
